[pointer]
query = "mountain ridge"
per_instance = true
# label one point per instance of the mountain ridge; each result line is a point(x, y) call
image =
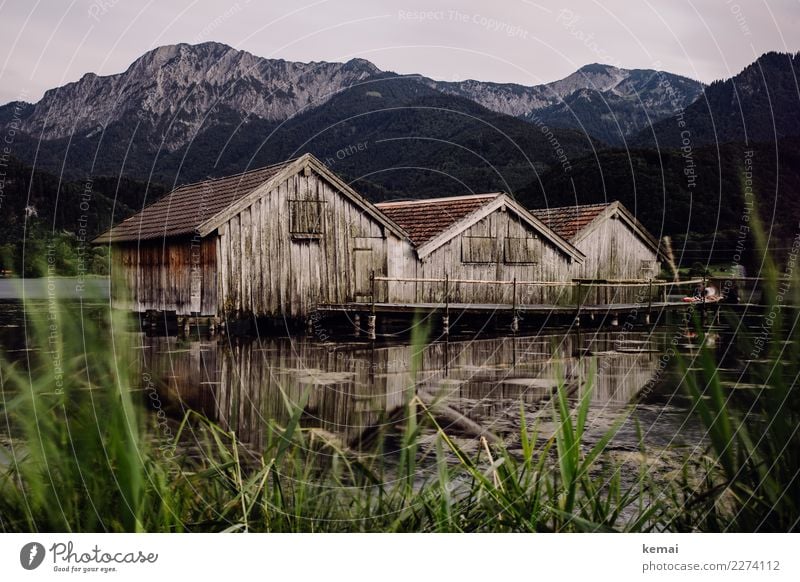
point(761, 103)
point(174, 87)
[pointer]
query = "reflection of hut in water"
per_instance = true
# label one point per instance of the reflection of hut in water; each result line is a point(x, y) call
point(353, 390)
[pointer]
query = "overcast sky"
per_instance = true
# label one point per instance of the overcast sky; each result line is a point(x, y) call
point(52, 42)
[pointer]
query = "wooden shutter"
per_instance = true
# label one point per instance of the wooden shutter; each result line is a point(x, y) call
point(522, 249)
point(477, 249)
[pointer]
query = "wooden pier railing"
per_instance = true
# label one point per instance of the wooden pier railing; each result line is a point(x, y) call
point(579, 284)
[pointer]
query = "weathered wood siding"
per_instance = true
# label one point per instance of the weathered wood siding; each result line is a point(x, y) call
point(168, 275)
point(299, 245)
point(614, 251)
point(501, 246)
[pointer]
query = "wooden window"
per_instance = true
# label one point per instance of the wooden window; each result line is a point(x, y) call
point(649, 266)
point(523, 250)
point(477, 249)
point(306, 218)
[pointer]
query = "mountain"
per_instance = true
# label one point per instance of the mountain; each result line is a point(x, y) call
point(395, 137)
point(182, 113)
point(171, 94)
point(173, 91)
point(760, 104)
point(608, 103)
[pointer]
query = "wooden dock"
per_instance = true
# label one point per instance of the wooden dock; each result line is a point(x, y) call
point(574, 310)
point(379, 318)
point(490, 308)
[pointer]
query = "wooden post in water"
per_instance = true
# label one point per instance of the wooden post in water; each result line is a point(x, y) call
point(371, 323)
point(703, 302)
point(446, 317)
point(514, 318)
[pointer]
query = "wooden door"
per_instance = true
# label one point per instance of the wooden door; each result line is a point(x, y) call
point(363, 264)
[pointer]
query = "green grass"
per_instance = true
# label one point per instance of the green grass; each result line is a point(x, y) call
point(751, 472)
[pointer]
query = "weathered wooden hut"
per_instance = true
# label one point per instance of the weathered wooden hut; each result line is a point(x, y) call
point(271, 242)
point(484, 237)
point(616, 245)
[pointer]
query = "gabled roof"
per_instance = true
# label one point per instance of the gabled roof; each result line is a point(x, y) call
point(424, 219)
point(202, 207)
point(181, 211)
point(433, 222)
point(576, 222)
point(568, 221)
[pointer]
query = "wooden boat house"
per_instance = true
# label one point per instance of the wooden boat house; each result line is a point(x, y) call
point(273, 242)
point(291, 239)
point(616, 246)
point(478, 238)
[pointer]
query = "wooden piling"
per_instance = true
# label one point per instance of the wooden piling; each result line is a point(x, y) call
point(514, 316)
point(446, 318)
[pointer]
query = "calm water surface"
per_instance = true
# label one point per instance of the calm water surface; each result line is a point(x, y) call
point(356, 388)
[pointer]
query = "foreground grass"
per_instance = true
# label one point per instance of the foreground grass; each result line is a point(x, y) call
point(78, 461)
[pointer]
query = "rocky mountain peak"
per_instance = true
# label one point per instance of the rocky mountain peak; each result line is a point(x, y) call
point(185, 86)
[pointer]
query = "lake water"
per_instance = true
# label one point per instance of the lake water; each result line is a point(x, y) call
point(476, 385)
point(355, 389)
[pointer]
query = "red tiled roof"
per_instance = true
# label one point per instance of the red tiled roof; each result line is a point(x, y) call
point(568, 221)
point(425, 219)
point(187, 207)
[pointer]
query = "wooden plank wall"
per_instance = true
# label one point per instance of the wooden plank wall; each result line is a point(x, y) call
point(552, 265)
point(266, 270)
point(167, 275)
point(613, 251)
